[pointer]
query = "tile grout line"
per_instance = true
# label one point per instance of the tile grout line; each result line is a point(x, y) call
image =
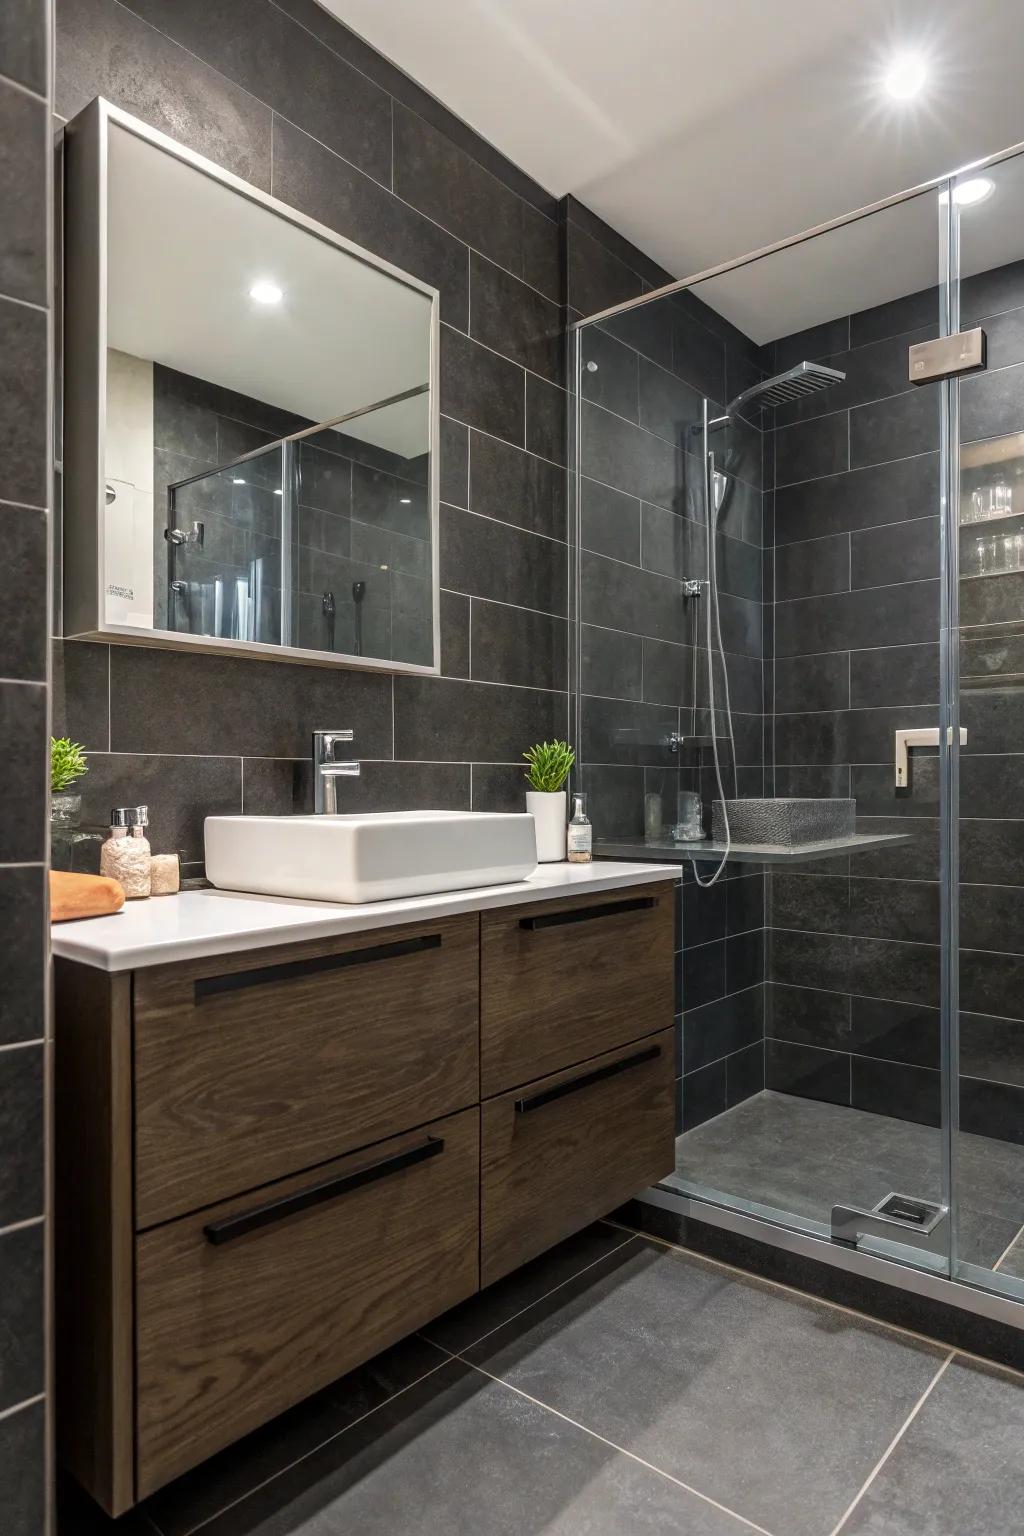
point(593, 1433)
point(895, 1441)
point(535, 1302)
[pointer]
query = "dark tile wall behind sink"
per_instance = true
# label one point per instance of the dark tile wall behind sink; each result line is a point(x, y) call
point(290, 100)
point(853, 994)
point(25, 497)
point(644, 663)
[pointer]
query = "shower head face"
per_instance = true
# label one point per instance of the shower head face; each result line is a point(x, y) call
point(782, 388)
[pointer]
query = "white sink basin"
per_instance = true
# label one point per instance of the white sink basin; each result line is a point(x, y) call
point(368, 858)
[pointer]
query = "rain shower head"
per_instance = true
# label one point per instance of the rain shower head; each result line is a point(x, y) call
point(802, 379)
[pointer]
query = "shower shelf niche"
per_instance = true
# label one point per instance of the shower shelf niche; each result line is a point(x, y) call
point(665, 850)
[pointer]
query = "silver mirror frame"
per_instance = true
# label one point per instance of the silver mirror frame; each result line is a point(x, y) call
point(85, 393)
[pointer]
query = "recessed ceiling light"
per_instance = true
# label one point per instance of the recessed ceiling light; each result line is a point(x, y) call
point(238, 482)
point(974, 191)
point(404, 501)
point(905, 76)
point(279, 493)
point(266, 292)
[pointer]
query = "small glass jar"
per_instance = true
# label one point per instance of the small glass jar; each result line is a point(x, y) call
point(125, 856)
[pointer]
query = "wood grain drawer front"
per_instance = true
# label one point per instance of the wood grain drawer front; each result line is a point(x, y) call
point(251, 1067)
point(562, 980)
point(235, 1330)
point(569, 1148)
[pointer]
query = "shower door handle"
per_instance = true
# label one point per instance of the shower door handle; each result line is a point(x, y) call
point(928, 737)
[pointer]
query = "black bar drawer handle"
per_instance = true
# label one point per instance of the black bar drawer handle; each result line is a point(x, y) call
point(538, 1100)
point(584, 914)
point(290, 970)
point(226, 1231)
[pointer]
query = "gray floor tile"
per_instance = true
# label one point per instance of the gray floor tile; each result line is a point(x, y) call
point(801, 1156)
point(959, 1469)
point(1013, 1262)
point(469, 1321)
point(773, 1405)
point(460, 1455)
point(234, 1473)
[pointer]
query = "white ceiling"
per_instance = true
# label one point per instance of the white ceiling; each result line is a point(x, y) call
point(703, 129)
point(183, 252)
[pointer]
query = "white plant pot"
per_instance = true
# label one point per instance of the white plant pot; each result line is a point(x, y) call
point(548, 812)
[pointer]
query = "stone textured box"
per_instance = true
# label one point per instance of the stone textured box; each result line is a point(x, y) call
point(784, 823)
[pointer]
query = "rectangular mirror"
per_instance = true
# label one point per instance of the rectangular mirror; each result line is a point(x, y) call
point(250, 418)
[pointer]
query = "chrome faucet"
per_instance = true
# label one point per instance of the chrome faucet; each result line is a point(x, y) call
point(327, 772)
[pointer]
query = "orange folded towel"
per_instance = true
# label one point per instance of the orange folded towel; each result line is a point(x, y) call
point(73, 896)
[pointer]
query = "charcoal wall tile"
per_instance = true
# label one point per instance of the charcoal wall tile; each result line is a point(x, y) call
point(450, 187)
point(809, 1017)
point(894, 317)
point(485, 558)
point(279, 787)
point(23, 43)
point(704, 916)
point(542, 251)
point(622, 731)
point(180, 793)
point(906, 674)
point(704, 1095)
point(719, 1028)
point(22, 1312)
point(21, 1134)
point(454, 476)
point(812, 568)
point(992, 983)
point(631, 460)
point(546, 419)
point(668, 673)
point(613, 663)
point(23, 1476)
point(241, 707)
point(610, 373)
point(703, 974)
point(862, 498)
point(310, 177)
point(991, 404)
point(809, 450)
point(889, 1088)
point(454, 615)
point(481, 388)
point(893, 615)
point(516, 645)
point(23, 924)
point(894, 429)
point(452, 721)
point(812, 345)
point(698, 355)
point(514, 319)
point(23, 123)
point(282, 64)
point(992, 1109)
point(744, 1074)
point(23, 592)
point(803, 1070)
point(610, 522)
point(517, 487)
point(900, 552)
point(744, 960)
point(812, 682)
point(498, 787)
point(103, 50)
point(597, 278)
point(23, 726)
point(623, 598)
point(992, 1048)
point(668, 407)
point(895, 1032)
point(23, 360)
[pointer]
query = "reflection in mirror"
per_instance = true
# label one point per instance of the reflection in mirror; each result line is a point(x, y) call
point(266, 469)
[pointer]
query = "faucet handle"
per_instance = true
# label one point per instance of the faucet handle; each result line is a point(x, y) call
point(324, 743)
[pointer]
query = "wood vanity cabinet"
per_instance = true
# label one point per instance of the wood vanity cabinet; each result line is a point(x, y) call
point(273, 1164)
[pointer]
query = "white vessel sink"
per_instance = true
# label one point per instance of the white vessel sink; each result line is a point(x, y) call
point(368, 858)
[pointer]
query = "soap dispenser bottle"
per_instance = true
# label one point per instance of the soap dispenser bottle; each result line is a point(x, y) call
point(579, 841)
point(125, 856)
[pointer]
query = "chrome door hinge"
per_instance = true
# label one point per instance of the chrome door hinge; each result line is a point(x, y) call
point(947, 357)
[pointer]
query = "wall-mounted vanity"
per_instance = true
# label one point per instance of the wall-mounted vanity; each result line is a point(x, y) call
point(250, 418)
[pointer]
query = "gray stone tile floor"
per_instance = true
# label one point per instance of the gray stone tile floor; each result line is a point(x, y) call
point(802, 1156)
point(622, 1387)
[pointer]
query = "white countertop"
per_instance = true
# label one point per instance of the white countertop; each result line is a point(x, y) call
point(198, 923)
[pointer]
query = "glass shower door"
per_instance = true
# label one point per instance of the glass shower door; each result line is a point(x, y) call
point(987, 771)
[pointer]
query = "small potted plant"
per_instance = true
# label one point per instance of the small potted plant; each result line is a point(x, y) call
point(550, 765)
point(67, 765)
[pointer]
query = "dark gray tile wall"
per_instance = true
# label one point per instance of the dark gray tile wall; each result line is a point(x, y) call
point(25, 107)
point(854, 960)
point(289, 99)
point(643, 380)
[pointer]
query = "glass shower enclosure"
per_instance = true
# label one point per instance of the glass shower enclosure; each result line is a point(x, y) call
point(799, 672)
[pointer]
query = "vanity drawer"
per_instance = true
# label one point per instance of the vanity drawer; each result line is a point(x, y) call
point(235, 1323)
point(250, 1067)
point(562, 980)
point(569, 1148)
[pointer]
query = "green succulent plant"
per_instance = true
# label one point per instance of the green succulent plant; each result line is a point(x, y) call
point(67, 763)
point(550, 765)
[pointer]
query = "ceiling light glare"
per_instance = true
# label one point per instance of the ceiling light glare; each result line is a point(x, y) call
point(967, 193)
point(237, 482)
point(405, 501)
point(266, 292)
point(279, 493)
point(905, 76)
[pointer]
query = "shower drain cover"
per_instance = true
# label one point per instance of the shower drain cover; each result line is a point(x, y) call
point(905, 1208)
